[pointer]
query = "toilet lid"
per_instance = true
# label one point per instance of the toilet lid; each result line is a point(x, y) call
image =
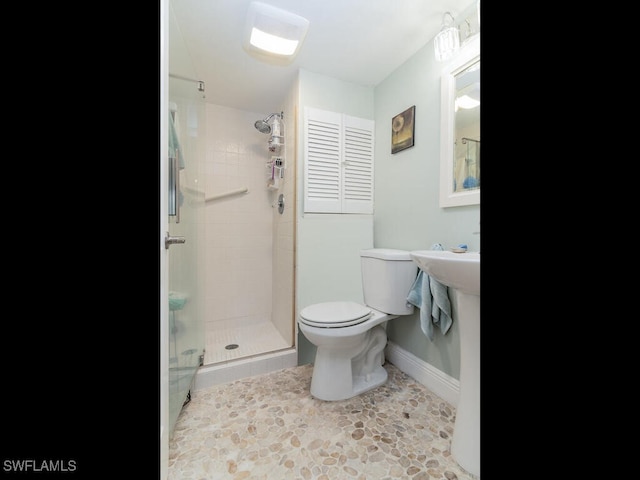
point(334, 314)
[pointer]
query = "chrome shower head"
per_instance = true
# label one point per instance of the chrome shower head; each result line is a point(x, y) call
point(262, 126)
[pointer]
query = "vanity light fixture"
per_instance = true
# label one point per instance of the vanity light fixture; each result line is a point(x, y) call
point(272, 34)
point(447, 41)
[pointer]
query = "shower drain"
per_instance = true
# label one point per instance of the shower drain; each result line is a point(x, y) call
point(231, 346)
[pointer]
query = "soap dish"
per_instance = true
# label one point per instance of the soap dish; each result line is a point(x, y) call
point(458, 250)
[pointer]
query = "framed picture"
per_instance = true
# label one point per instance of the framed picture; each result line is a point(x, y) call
point(403, 130)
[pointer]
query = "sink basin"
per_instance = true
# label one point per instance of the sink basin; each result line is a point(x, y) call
point(461, 273)
point(456, 270)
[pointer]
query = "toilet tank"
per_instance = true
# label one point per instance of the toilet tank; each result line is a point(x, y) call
point(387, 277)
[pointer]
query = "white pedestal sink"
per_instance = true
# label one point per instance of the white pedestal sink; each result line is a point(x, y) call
point(461, 272)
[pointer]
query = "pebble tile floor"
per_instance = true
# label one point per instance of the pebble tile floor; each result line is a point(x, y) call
point(270, 427)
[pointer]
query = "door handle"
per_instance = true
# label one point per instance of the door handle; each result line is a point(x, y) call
point(169, 240)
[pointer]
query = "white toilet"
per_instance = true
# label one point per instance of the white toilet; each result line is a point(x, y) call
point(350, 337)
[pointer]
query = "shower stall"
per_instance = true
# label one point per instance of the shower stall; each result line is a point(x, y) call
point(248, 254)
point(245, 227)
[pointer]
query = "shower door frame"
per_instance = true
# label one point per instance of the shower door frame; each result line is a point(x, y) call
point(163, 259)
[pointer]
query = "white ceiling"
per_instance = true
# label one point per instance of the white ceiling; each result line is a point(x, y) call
point(357, 41)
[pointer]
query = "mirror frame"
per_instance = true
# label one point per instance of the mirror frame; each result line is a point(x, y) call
point(468, 54)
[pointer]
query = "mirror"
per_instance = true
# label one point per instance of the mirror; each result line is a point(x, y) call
point(460, 128)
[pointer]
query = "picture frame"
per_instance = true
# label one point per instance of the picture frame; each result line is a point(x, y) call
point(403, 127)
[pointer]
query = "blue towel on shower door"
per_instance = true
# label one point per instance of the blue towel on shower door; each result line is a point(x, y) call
point(432, 298)
point(175, 149)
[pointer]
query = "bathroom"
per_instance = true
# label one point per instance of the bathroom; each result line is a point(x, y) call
point(309, 257)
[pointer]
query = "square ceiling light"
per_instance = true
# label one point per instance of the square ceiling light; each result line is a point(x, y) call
point(272, 34)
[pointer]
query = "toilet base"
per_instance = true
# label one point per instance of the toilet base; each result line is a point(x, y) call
point(365, 383)
point(339, 376)
point(359, 384)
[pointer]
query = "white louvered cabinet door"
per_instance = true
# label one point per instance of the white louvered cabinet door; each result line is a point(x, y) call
point(338, 163)
point(357, 172)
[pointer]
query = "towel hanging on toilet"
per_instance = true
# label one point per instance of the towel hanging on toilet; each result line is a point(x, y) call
point(432, 298)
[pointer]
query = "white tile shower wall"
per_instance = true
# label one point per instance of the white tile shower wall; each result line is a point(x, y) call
point(238, 230)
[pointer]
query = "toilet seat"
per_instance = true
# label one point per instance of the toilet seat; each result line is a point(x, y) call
point(334, 314)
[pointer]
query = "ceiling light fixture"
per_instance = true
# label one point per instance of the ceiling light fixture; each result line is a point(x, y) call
point(272, 34)
point(447, 41)
point(466, 102)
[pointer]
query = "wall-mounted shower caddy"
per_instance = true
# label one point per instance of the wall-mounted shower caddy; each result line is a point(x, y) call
point(275, 168)
point(273, 125)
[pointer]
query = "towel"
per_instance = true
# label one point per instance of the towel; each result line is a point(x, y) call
point(174, 143)
point(432, 298)
point(176, 300)
point(175, 150)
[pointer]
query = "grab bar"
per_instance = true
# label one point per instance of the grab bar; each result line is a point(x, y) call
point(227, 194)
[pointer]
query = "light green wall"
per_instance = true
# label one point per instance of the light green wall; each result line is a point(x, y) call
point(326, 93)
point(328, 245)
point(407, 215)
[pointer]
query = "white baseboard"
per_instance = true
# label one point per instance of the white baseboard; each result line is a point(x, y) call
point(446, 387)
point(209, 375)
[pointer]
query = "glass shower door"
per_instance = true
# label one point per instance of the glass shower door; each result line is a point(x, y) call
point(186, 328)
